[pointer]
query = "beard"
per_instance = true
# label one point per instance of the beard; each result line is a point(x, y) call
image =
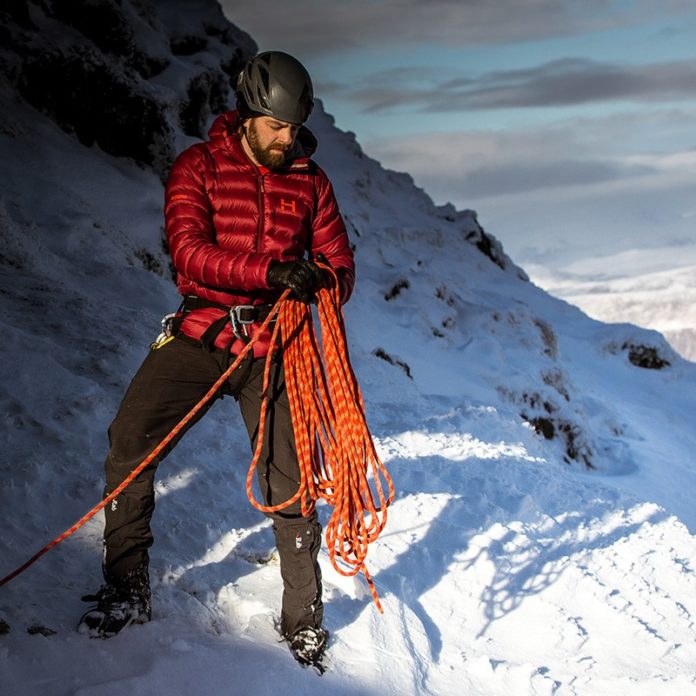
point(271, 157)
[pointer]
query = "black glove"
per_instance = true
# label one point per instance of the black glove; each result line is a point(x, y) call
point(302, 277)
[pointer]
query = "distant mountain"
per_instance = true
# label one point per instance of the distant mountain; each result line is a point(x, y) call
point(644, 287)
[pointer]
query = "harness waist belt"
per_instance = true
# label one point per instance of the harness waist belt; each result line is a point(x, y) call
point(245, 314)
point(240, 316)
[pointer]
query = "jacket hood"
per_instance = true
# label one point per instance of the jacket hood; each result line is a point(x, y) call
point(226, 126)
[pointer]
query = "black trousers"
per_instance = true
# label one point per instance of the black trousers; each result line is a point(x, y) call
point(171, 380)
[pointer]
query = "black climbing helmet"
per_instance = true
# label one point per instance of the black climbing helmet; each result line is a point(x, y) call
point(275, 84)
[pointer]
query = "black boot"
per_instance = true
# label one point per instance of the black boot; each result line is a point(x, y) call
point(118, 605)
point(308, 645)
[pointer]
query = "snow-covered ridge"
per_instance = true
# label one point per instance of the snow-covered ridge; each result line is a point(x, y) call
point(540, 538)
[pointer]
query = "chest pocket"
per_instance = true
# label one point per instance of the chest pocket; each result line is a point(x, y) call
point(291, 216)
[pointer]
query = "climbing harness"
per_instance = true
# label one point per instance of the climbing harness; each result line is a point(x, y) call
point(337, 458)
point(240, 318)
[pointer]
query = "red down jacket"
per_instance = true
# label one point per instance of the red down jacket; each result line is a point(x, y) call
point(226, 220)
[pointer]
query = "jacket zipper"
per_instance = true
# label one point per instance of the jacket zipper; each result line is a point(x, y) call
point(259, 227)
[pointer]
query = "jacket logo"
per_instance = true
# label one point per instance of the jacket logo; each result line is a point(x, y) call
point(288, 206)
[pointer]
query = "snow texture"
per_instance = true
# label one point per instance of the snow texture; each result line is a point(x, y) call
point(541, 541)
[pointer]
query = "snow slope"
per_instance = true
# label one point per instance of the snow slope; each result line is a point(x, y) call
point(512, 562)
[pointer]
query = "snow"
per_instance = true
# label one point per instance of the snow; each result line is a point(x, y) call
point(507, 566)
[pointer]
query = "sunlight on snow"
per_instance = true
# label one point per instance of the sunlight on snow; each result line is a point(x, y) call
point(413, 444)
point(176, 482)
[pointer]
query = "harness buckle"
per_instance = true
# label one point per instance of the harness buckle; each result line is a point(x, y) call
point(240, 317)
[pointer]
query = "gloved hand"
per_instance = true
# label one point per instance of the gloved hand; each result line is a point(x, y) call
point(302, 277)
point(326, 276)
point(320, 258)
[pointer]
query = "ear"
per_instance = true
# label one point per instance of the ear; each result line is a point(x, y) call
point(243, 125)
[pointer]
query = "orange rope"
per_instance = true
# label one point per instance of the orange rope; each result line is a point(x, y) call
point(337, 458)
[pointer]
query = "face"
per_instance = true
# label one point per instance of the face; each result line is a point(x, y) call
point(268, 140)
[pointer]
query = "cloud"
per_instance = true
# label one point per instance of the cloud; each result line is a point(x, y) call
point(570, 81)
point(517, 177)
point(577, 81)
point(385, 88)
point(572, 156)
point(310, 28)
point(488, 164)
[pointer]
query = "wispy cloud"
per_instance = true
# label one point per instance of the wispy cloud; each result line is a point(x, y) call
point(314, 27)
point(575, 155)
point(565, 82)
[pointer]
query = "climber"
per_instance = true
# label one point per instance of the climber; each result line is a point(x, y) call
point(247, 214)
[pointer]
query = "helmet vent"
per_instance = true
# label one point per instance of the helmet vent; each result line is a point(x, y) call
point(266, 87)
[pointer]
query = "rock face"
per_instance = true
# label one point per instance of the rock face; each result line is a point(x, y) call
point(121, 74)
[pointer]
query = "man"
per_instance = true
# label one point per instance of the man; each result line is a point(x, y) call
point(242, 211)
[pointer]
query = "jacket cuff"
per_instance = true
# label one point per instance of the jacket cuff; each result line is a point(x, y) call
point(262, 272)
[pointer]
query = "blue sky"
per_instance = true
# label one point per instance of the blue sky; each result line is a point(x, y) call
point(569, 126)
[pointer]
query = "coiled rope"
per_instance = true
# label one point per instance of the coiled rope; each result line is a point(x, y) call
point(335, 450)
point(336, 454)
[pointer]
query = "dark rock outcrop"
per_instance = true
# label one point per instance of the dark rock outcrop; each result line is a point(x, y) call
point(116, 73)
